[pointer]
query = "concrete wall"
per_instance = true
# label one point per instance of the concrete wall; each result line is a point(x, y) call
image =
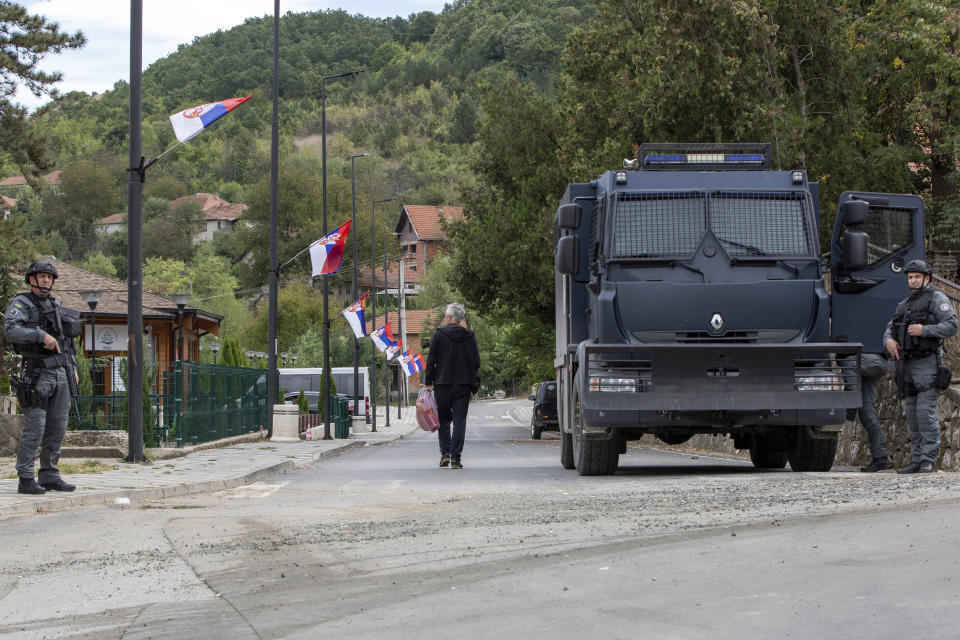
point(11, 426)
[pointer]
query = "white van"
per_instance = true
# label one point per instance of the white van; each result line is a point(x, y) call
point(311, 379)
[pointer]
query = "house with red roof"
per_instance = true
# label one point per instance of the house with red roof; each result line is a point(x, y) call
point(218, 216)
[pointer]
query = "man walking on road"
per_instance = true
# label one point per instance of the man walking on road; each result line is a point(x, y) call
point(913, 337)
point(451, 373)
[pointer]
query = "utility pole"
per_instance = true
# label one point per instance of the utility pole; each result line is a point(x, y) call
point(402, 313)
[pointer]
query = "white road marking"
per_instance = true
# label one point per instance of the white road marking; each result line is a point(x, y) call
point(255, 490)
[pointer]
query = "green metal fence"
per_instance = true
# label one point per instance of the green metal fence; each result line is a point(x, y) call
point(210, 402)
point(340, 416)
point(202, 403)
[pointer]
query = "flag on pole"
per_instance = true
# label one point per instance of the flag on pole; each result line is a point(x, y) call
point(190, 122)
point(383, 337)
point(355, 316)
point(418, 360)
point(406, 361)
point(326, 254)
point(393, 349)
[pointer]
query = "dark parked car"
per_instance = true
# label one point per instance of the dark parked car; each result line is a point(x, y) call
point(545, 417)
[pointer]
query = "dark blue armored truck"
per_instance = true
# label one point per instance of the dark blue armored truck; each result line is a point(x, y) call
point(691, 299)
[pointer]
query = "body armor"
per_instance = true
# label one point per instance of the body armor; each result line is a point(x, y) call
point(915, 311)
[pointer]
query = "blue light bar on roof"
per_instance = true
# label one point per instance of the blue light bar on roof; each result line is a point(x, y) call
point(705, 158)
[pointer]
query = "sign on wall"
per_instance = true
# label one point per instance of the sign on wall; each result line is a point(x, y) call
point(110, 337)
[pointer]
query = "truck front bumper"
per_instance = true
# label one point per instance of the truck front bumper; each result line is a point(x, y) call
point(717, 384)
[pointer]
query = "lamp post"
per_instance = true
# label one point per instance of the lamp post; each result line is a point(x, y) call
point(357, 397)
point(373, 290)
point(215, 347)
point(283, 358)
point(249, 355)
point(181, 300)
point(326, 318)
point(92, 297)
point(293, 359)
point(386, 317)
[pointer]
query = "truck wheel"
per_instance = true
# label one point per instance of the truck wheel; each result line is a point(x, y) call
point(591, 457)
point(764, 455)
point(566, 450)
point(811, 451)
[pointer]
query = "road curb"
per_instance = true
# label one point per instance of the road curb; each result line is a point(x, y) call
point(108, 497)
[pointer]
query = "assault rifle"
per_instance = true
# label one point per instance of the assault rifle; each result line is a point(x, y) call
point(66, 331)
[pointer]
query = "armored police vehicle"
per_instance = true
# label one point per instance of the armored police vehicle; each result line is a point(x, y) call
point(691, 299)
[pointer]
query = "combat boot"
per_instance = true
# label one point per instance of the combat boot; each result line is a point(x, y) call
point(926, 467)
point(58, 485)
point(29, 485)
point(878, 464)
point(913, 467)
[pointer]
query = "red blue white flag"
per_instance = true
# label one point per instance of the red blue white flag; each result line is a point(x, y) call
point(418, 360)
point(326, 254)
point(355, 316)
point(409, 366)
point(190, 122)
point(393, 349)
point(383, 337)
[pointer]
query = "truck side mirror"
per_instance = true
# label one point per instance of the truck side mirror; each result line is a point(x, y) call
point(854, 246)
point(568, 255)
point(568, 216)
point(855, 212)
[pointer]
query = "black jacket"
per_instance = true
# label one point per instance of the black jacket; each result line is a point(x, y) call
point(454, 357)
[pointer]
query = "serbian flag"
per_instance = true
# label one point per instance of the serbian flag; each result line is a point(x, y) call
point(383, 337)
point(190, 122)
point(354, 315)
point(418, 361)
point(326, 254)
point(393, 349)
point(406, 361)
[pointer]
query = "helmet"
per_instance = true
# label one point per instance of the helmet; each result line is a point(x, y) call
point(917, 266)
point(40, 266)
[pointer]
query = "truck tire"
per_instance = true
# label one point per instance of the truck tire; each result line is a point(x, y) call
point(566, 450)
point(809, 453)
point(591, 457)
point(764, 454)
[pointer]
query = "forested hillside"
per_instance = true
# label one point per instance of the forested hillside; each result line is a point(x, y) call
point(497, 105)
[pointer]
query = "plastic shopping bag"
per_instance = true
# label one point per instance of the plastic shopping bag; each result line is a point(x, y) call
point(427, 411)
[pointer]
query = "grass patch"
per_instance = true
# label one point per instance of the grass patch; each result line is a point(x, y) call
point(86, 466)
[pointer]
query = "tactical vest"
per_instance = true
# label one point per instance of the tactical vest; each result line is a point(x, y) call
point(34, 353)
point(915, 311)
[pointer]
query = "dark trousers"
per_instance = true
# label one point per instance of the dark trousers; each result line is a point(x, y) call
point(452, 402)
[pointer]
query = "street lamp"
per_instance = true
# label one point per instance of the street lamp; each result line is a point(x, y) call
point(357, 397)
point(92, 297)
point(373, 323)
point(293, 359)
point(181, 300)
point(283, 358)
point(326, 318)
point(215, 347)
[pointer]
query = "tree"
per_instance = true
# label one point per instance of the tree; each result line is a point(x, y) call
point(96, 262)
point(16, 254)
point(170, 235)
point(87, 193)
point(231, 354)
point(25, 40)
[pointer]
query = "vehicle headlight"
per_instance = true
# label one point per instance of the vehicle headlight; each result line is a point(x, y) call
point(613, 383)
point(820, 382)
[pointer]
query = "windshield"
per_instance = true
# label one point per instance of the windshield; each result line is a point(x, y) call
point(746, 225)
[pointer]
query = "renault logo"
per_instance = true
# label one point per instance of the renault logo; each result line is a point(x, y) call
point(716, 321)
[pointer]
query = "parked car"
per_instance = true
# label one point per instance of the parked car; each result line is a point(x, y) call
point(545, 416)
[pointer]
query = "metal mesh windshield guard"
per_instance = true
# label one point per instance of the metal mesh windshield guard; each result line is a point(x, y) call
point(659, 225)
point(669, 225)
point(761, 224)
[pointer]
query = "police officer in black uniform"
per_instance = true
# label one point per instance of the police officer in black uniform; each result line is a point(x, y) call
point(913, 337)
point(33, 323)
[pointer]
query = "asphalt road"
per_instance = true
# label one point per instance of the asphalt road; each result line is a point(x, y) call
point(382, 543)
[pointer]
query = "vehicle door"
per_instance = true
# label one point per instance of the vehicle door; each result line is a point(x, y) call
point(865, 296)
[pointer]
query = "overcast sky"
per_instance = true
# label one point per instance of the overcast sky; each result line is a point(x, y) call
point(106, 24)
